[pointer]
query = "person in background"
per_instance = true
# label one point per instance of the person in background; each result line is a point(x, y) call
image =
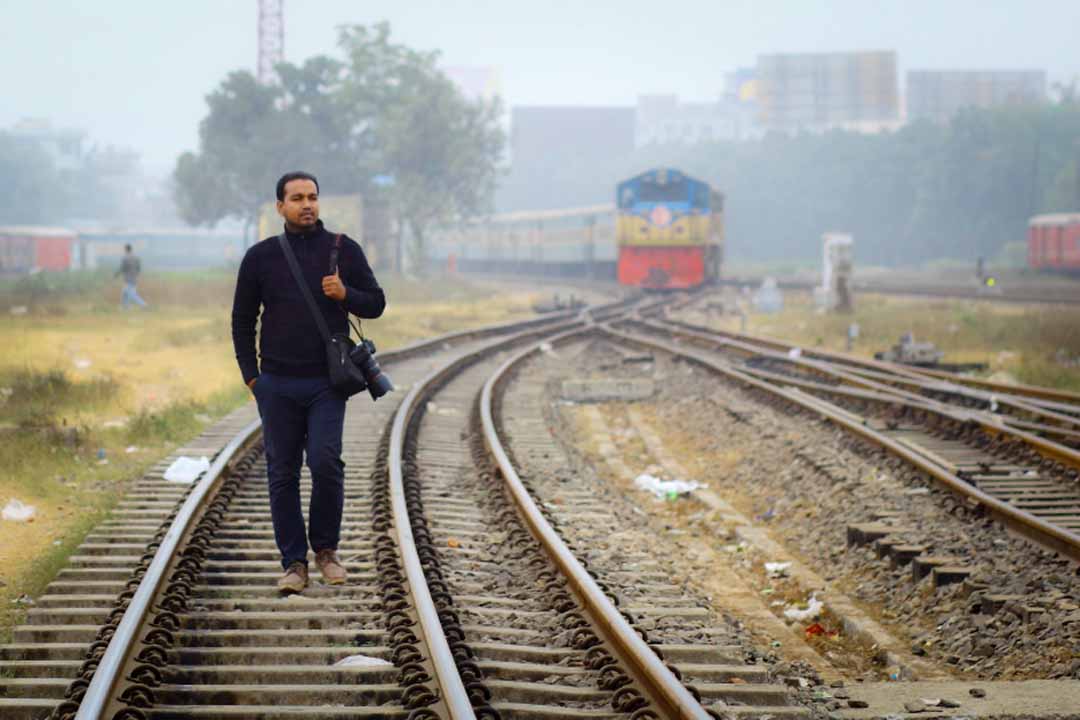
point(130, 269)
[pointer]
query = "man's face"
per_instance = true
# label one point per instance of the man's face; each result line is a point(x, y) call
point(300, 208)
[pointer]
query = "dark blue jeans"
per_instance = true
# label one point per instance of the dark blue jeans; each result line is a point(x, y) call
point(303, 415)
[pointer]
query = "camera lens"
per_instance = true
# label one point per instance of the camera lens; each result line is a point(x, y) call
point(363, 355)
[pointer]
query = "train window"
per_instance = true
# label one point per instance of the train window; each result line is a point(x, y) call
point(670, 192)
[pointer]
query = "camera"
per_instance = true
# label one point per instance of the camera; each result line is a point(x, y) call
point(363, 356)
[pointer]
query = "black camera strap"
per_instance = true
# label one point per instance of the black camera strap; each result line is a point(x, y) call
point(304, 289)
point(335, 250)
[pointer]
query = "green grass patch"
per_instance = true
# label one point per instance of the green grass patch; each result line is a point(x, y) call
point(181, 420)
point(74, 486)
point(35, 398)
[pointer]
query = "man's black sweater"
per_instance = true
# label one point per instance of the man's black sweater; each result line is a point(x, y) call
point(289, 340)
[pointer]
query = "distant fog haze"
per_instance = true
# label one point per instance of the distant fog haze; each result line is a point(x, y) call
point(135, 74)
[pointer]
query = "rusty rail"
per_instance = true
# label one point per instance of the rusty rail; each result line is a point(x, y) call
point(663, 688)
point(1046, 534)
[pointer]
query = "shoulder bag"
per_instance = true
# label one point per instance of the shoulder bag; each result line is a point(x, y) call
point(345, 376)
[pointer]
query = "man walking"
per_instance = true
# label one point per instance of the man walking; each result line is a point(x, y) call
point(300, 410)
point(130, 267)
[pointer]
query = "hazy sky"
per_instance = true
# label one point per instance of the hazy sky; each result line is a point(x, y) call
point(135, 73)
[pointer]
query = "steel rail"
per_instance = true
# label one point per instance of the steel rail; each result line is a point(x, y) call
point(988, 422)
point(662, 687)
point(817, 366)
point(1062, 412)
point(932, 381)
point(1033, 391)
point(1046, 534)
point(848, 374)
point(100, 690)
point(454, 695)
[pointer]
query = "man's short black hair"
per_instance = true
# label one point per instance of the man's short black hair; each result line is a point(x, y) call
point(294, 175)
point(127, 248)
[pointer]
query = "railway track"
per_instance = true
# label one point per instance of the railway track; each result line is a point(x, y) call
point(1028, 481)
point(463, 600)
point(483, 581)
point(66, 633)
point(972, 391)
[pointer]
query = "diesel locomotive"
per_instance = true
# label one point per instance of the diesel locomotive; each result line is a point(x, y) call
point(669, 231)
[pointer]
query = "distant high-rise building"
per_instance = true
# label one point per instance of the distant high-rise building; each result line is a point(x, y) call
point(822, 91)
point(663, 119)
point(938, 94)
point(561, 156)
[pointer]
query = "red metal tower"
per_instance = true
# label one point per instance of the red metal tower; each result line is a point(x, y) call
point(271, 38)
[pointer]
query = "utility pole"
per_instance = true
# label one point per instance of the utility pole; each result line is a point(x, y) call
point(271, 32)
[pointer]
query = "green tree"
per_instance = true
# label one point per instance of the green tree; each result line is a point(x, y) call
point(440, 149)
point(386, 110)
point(253, 133)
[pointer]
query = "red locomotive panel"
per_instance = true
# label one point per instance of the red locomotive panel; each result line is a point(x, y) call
point(662, 267)
point(1054, 242)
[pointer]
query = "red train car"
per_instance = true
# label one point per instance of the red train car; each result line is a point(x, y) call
point(31, 247)
point(1054, 242)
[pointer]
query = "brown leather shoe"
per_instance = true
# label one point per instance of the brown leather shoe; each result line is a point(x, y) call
point(295, 579)
point(333, 571)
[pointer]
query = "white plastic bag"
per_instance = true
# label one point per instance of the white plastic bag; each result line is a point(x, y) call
point(813, 609)
point(661, 488)
point(186, 469)
point(362, 661)
point(17, 511)
point(777, 569)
